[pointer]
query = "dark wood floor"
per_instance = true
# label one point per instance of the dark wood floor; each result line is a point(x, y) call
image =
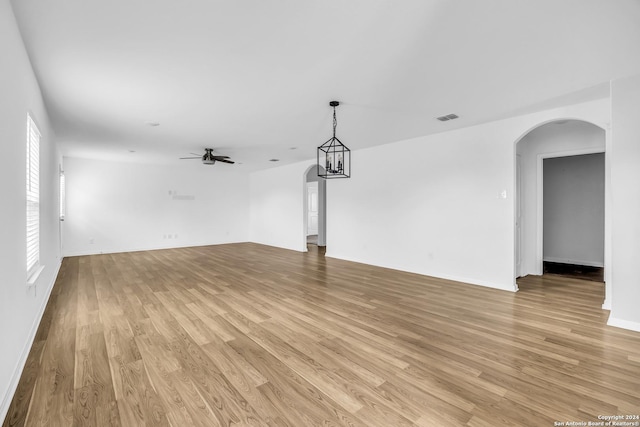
point(246, 334)
point(584, 272)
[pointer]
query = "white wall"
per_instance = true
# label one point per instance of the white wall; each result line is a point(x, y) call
point(548, 140)
point(573, 209)
point(21, 306)
point(277, 206)
point(625, 165)
point(118, 207)
point(435, 210)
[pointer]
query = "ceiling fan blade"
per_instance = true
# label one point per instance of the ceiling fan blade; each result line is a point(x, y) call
point(220, 157)
point(196, 154)
point(187, 158)
point(225, 161)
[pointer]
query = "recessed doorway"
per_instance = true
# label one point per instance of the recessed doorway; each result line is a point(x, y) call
point(315, 222)
point(312, 212)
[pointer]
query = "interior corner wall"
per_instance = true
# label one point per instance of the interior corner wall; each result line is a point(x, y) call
point(121, 207)
point(277, 206)
point(21, 306)
point(625, 165)
point(548, 140)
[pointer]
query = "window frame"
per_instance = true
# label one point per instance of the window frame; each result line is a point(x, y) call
point(63, 195)
point(32, 207)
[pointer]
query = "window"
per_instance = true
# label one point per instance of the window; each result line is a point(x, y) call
point(63, 195)
point(33, 197)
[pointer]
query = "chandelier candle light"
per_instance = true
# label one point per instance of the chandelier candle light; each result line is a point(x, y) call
point(334, 158)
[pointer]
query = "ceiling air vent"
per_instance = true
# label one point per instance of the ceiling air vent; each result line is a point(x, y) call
point(447, 117)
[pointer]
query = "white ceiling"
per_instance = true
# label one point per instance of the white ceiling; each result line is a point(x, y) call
point(253, 78)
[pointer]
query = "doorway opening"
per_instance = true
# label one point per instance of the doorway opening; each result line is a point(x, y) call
point(315, 209)
point(561, 182)
point(573, 216)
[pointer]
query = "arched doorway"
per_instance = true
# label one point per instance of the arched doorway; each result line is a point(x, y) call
point(566, 141)
point(315, 207)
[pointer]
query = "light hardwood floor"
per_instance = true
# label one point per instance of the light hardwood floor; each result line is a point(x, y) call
point(246, 334)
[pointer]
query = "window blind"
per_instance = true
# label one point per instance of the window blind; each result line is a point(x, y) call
point(33, 197)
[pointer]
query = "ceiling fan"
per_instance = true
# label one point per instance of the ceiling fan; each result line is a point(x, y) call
point(208, 158)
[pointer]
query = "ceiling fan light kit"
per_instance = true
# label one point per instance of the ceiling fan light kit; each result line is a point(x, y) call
point(334, 158)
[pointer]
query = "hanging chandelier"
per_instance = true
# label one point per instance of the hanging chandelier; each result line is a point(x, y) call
point(334, 158)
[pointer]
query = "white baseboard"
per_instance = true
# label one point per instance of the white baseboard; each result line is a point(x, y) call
point(22, 361)
point(574, 262)
point(486, 284)
point(106, 251)
point(624, 324)
point(464, 280)
point(301, 248)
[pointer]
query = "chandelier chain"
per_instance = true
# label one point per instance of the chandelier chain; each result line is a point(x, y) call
point(335, 122)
